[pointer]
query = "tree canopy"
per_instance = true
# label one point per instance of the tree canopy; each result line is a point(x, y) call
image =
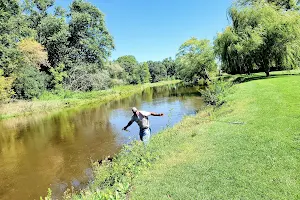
point(285, 4)
point(257, 42)
point(197, 59)
point(33, 37)
point(89, 37)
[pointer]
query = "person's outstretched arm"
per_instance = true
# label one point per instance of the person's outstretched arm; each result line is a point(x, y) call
point(129, 124)
point(157, 114)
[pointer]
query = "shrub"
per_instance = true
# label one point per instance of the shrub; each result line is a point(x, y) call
point(117, 82)
point(101, 80)
point(87, 78)
point(29, 84)
point(79, 79)
point(215, 92)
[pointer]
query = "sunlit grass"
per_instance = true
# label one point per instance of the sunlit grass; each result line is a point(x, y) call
point(257, 160)
point(246, 149)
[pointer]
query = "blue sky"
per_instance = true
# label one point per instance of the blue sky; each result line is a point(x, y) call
point(154, 29)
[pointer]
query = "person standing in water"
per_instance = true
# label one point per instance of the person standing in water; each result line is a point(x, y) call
point(141, 118)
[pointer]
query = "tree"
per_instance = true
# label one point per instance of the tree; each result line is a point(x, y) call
point(171, 66)
point(14, 28)
point(136, 75)
point(60, 12)
point(33, 53)
point(130, 65)
point(257, 42)
point(53, 33)
point(116, 71)
point(157, 71)
point(36, 10)
point(89, 77)
point(285, 4)
point(145, 74)
point(29, 83)
point(141, 74)
point(90, 40)
point(197, 59)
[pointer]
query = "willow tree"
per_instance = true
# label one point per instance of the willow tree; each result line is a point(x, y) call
point(285, 4)
point(196, 59)
point(261, 37)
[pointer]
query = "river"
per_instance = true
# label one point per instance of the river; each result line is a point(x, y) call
point(56, 151)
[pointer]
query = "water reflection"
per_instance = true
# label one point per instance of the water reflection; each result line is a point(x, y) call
point(37, 153)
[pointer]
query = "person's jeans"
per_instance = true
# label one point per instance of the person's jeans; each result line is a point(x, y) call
point(145, 135)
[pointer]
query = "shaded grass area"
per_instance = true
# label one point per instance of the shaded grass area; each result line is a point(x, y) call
point(258, 76)
point(247, 149)
point(50, 102)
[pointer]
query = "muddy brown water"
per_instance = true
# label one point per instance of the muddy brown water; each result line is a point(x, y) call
point(56, 151)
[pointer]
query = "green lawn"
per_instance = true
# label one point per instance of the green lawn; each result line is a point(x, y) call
point(205, 157)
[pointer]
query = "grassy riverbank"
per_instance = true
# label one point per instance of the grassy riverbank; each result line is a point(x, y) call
point(248, 148)
point(49, 102)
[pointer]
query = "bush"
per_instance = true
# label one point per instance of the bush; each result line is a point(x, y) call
point(29, 84)
point(215, 92)
point(6, 91)
point(79, 79)
point(117, 82)
point(101, 80)
point(87, 78)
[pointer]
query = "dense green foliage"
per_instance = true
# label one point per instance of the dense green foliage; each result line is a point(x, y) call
point(29, 83)
point(14, 27)
point(214, 93)
point(71, 47)
point(262, 37)
point(285, 4)
point(158, 71)
point(5, 88)
point(197, 59)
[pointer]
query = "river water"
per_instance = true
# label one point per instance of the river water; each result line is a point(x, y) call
point(56, 151)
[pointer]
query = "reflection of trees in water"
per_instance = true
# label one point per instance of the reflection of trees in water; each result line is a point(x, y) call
point(23, 164)
point(147, 95)
point(176, 90)
point(58, 147)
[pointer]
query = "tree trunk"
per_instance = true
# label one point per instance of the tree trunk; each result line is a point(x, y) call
point(267, 73)
point(207, 75)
